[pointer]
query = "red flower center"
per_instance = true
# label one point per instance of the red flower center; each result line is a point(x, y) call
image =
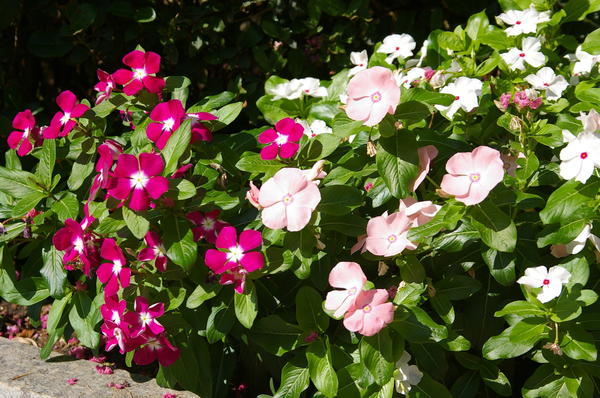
point(583, 155)
point(456, 98)
point(546, 85)
point(518, 23)
point(397, 48)
point(546, 281)
point(522, 55)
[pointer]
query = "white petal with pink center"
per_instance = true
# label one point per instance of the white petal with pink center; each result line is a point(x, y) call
point(580, 157)
point(550, 281)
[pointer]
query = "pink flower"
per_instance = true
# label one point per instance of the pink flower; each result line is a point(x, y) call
point(169, 395)
point(350, 277)
point(284, 139)
point(105, 86)
point(236, 277)
point(419, 212)
point(98, 359)
point(235, 254)
point(370, 313)
point(141, 178)
point(108, 152)
point(288, 200)
point(505, 100)
point(154, 251)
point(113, 310)
point(472, 175)
point(157, 348)
point(199, 130)
point(143, 66)
point(372, 93)
point(62, 123)
point(72, 381)
point(426, 155)
point(252, 196)
point(180, 172)
point(115, 335)
point(386, 234)
point(207, 225)
point(167, 118)
point(368, 186)
point(104, 370)
point(77, 244)
point(114, 272)
point(528, 98)
point(143, 319)
point(19, 140)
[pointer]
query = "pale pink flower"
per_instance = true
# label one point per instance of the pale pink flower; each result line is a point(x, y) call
point(426, 155)
point(472, 175)
point(419, 212)
point(370, 313)
point(349, 277)
point(387, 234)
point(143, 66)
point(288, 200)
point(252, 196)
point(372, 93)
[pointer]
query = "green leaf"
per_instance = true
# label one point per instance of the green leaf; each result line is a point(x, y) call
point(477, 25)
point(494, 378)
point(496, 228)
point(84, 316)
point(466, 385)
point(17, 183)
point(520, 308)
point(442, 305)
point(246, 305)
point(201, 294)
point(376, 354)
point(349, 225)
point(321, 369)
point(219, 323)
point(450, 41)
point(579, 344)
point(56, 313)
point(136, 222)
point(213, 102)
point(420, 328)
point(27, 203)
point(516, 340)
point(179, 242)
point(339, 199)
point(458, 287)
point(54, 270)
point(275, 335)
point(67, 206)
point(570, 202)
point(429, 388)
point(563, 234)
point(501, 265)
point(185, 190)
point(343, 126)
point(496, 39)
point(294, 380)
point(398, 163)
point(27, 291)
point(226, 115)
point(176, 146)
point(79, 172)
point(309, 313)
point(47, 160)
point(591, 44)
point(446, 218)
point(548, 383)
point(426, 96)
point(254, 164)
point(412, 112)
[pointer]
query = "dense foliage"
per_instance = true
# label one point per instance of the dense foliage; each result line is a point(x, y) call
point(420, 223)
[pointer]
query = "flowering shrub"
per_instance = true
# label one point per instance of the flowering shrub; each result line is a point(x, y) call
point(427, 237)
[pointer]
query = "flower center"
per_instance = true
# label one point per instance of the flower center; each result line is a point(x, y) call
point(159, 250)
point(546, 84)
point(352, 291)
point(78, 245)
point(169, 123)
point(546, 281)
point(154, 345)
point(139, 74)
point(116, 318)
point(583, 155)
point(138, 180)
point(235, 254)
point(397, 48)
point(522, 55)
point(208, 224)
point(456, 98)
point(145, 318)
point(117, 267)
point(518, 23)
point(376, 96)
point(392, 238)
point(475, 177)
point(281, 139)
point(65, 118)
point(367, 308)
point(287, 199)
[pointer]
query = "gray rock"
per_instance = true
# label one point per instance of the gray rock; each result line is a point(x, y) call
point(25, 375)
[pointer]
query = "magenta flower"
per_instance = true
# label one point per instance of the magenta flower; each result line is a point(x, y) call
point(288, 200)
point(387, 234)
point(115, 335)
point(370, 313)
point(62, 123)
point(236, 277)
point(199, 130)
point(113, 310)
point(108, 152)
point(284, 139)
point(76, 243)
point(349, 277)
point(114, 272)
point(105, 86)
point(154, 251)
point(472, 175)
point(167, 118)
point(19, 140)
point(372, 93)
point(234, 254)
point(143, 66)
point(426, 155)
point(140, 178)
point(143, 319)
point(207, 225)
point(156, 348)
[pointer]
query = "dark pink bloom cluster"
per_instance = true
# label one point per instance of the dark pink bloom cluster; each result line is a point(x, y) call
point(235, 259)
point(105, 85)
point(155, 251)
point(80, 246)
point(282, 140)
point(20, 139)
point(523, 99)
point(144, 65)
point(63, 122)
point(206, 225)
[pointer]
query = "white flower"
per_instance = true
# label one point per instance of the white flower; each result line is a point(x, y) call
point(466, 92)
point(397, 46)
point(412, 75)
point(546, 79)
point(360, 59)
point(580, 156)
point(584, 61)
point(591, 121)
point(550, 281)
point(289, 90)
point(573, 247)
point(311, 86)
point(406, 375)
point(523, 21)
point(423, 52)
point(316, 128)
point(438, 79)
point(516, 58)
